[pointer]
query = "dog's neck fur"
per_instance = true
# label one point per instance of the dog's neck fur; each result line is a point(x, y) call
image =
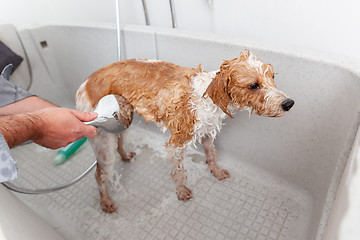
point(218, 92)
point(210, 116)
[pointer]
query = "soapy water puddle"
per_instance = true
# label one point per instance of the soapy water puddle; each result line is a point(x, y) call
point(147, 206)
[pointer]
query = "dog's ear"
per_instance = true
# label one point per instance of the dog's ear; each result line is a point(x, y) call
point(218, 88)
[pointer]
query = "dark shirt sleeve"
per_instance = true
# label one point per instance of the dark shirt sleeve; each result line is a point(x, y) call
point(10, 92)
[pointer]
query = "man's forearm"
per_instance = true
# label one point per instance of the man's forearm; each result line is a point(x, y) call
point(29, 104)
point(19, 128)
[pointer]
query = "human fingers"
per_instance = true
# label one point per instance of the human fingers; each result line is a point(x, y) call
point(84, 116)
point(61, 126)
point(85, 130)
point(88, 131)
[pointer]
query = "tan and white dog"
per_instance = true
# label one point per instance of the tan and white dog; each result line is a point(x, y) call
point(190, 102)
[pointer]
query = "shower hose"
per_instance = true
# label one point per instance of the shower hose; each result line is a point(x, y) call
point(18, 189)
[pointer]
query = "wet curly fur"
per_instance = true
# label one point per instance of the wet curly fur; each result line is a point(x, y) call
point(189, 102)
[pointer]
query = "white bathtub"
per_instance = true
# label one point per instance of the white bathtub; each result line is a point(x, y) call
point(285, 172)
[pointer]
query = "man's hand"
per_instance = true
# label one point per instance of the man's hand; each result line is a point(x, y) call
point(49, 127)
point(57, 127)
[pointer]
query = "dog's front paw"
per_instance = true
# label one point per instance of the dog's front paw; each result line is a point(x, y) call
point(107, 205)
point(183, 193)
point(221, 174)
point(129, 157)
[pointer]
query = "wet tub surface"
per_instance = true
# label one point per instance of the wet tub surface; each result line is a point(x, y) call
point(246, 206)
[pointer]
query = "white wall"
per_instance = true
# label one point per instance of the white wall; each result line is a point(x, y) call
point(326, 25)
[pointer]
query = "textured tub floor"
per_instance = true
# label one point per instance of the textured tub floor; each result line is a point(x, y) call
point(242, 207)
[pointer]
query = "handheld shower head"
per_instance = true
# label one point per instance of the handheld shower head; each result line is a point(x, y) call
point(115, 114)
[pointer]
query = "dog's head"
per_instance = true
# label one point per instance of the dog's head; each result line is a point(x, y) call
point(246, 82)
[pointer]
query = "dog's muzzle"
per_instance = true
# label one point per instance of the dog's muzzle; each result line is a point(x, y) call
point(287, 104)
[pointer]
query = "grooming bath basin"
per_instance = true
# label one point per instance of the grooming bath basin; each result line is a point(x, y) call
point(285, 172)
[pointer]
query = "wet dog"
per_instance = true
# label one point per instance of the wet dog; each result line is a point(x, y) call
point(189, 102)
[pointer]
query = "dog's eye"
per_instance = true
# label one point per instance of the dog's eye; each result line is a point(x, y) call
point(274, 76)
point(254, 86)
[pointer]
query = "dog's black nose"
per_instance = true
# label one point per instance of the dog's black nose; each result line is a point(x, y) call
point(287, 104)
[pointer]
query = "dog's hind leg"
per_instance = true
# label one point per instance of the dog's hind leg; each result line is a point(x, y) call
point(211, 159)
point(126, 157)
point(179, 176)
point(104, 146)
point(106, 203)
